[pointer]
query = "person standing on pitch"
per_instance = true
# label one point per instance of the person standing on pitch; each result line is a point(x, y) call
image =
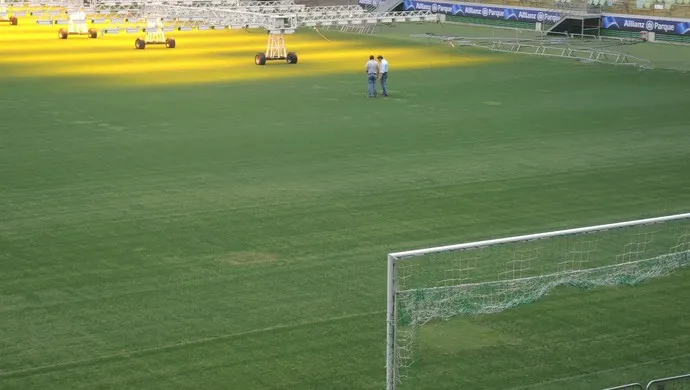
point(383, 71)
point(372, 75)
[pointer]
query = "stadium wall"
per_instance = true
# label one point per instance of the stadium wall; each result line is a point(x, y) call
point(620, 25)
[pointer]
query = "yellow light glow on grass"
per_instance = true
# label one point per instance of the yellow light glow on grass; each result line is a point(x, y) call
point(31, 50)
point(119, 53)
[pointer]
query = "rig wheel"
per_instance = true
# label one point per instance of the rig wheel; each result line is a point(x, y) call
point(14, 20)
point(93, 33)
point(260, 59)
point(62, 34)
point(170, 43)
point(139, 44)
point(291, 58)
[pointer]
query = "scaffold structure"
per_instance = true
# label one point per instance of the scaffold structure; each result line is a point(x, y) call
point(278, 18)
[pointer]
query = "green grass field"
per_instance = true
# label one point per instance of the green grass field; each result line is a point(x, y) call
point(232, 234)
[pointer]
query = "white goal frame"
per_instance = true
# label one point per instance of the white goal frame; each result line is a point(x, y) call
point(393, 258)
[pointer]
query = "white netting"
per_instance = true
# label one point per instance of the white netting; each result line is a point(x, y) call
point(496, 278)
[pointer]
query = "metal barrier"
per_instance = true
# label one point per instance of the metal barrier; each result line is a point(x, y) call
point(681, 382)
point(630, 386)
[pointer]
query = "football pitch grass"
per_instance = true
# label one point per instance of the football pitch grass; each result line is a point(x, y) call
point(185, 219)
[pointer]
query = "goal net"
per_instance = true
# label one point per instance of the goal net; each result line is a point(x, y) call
point(491, 276)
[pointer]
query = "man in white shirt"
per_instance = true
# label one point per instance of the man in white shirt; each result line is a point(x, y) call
point(383, 71)
point(372, 74)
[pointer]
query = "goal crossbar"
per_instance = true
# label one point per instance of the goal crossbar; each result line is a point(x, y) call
point(393, 258)
point(536, 236)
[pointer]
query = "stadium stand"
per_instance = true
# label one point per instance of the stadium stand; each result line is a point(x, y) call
point(315, 3)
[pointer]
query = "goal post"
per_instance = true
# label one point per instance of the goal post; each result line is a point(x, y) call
point(492, 276)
